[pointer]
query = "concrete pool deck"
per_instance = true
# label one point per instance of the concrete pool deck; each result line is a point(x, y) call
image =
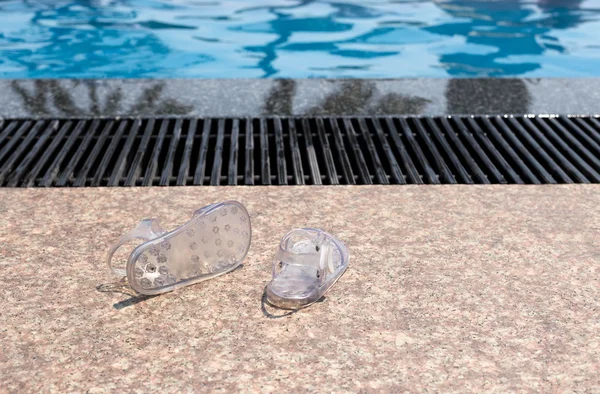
point(450, 288)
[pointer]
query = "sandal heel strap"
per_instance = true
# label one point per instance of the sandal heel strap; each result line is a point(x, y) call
point(321, 260)
point(147, 230)
point(300, 259)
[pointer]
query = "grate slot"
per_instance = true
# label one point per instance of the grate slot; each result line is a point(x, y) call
point(566, 123)
point(525, 154)
point(431, 151)
point(491, 150)
point(265, 165)
point(359, 159)
point(592, 125)
point(395, 171)
point(7, 149)
point(508, 149)
point(233, 153)
point(249, 170)
point(324, 171)
point(215, 177)
point(5, 134)
point(88, 166)
point(105, 163)
point(553, 170)
point(72, 165)
point(167, 171)
point(67, 150)
point(475, 153)
point(306, 169)
point(562, 160)
point(135, 169)
point(583, 126)
point(315, 174)
point(428, 174)
point(460, 173)
point(330, 169)
point(567, 150)
point(348, 175)
point(187, 151)
point(151, 168)
point(409, 167)
point(574, 137)
point(42, 165)
point(376, 165)
point(280, 152)
point(120, 164)
point(201, 164)
point(13, 159)
point(295, 147)
point(475, 174)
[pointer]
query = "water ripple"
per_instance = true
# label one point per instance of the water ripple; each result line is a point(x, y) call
point(298, 38)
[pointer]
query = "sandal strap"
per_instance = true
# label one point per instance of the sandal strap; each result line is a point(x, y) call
point(200, 211)
point(147, 230)
point(321, 260)
point(300, 259)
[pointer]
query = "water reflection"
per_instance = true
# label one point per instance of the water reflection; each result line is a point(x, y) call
point(286, 23)
point(298, 38)
point(512, 28)
point(88, 39)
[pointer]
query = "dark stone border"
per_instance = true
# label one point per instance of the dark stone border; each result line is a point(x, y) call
point(284, 97)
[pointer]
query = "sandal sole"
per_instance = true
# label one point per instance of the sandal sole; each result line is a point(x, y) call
point(209, 245)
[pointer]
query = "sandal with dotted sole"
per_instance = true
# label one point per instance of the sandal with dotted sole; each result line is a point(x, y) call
point(214, 242)
point(307, 264)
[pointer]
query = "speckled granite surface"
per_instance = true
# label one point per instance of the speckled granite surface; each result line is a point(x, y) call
point(297, 97)
point(451, 289)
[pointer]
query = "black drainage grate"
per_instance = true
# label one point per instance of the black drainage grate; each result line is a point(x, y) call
point(292, 151)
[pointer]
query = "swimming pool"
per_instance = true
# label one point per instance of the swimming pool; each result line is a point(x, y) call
point(298, 38)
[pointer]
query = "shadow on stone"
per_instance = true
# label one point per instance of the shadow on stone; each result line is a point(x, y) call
point(60, 97)
point(487, 96)
point(264, 304)
point(122, 287)
point(131, 301)
point(351, 97)
point(359, 97)
point(280, 98)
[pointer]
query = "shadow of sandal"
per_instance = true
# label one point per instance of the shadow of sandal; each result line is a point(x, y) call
point(123, 287)
point(264, 303)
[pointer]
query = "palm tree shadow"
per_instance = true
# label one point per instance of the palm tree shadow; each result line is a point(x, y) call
point(280, 99)
point(352, 97)
point(465, 96)
point(358, 97)
point(55, 97)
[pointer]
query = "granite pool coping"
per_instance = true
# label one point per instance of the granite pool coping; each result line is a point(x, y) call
point(450, 288)
point(43, 98)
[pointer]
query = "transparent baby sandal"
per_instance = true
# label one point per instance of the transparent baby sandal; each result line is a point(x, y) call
point(307, 263)
point(215, 241)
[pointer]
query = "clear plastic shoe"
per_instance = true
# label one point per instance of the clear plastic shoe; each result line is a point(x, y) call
point(214, 242)
point(307, 263)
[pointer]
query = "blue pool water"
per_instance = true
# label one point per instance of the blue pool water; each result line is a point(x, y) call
point(298, 38)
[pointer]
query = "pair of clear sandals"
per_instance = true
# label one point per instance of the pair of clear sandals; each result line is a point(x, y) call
point(215, 241)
